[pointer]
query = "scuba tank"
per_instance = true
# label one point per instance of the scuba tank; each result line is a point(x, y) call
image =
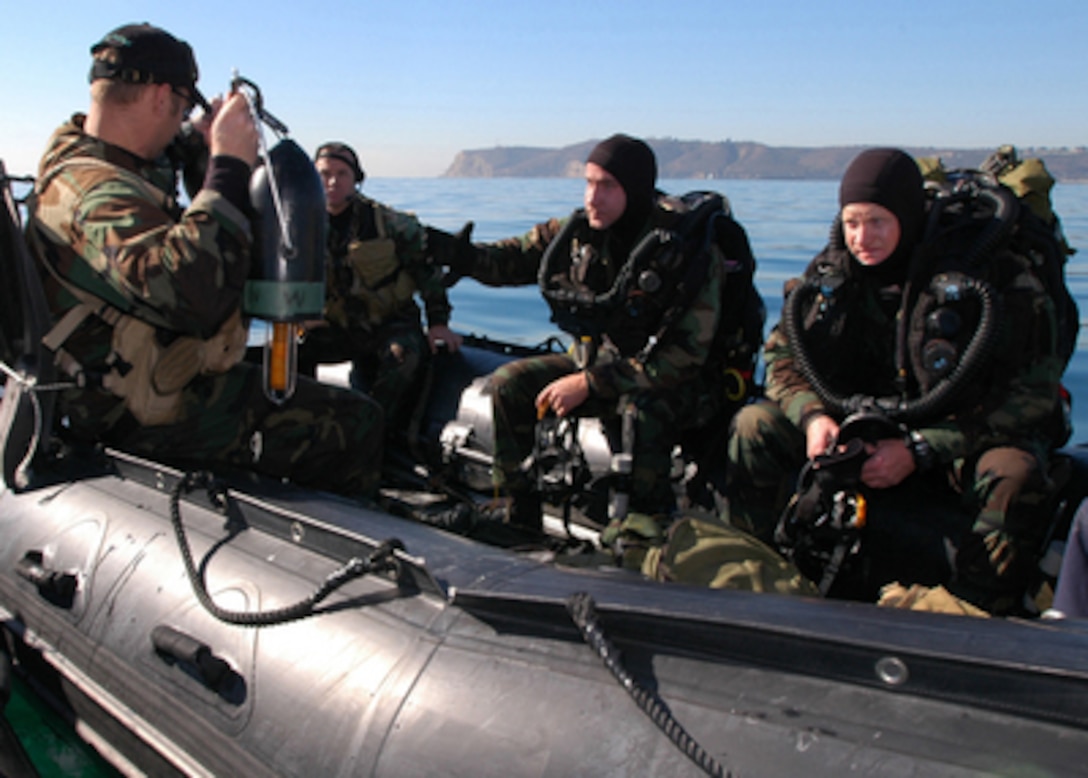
point(288, 281)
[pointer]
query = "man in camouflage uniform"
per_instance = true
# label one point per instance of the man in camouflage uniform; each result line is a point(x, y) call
point(107, 228)
point(668, 390)
point(990, 444)
point(376, 262)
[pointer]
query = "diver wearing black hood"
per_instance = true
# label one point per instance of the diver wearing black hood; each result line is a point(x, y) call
point(864, 269)
point(632, 163)
point(586, 254)
point(840, 339)
point(891, 179)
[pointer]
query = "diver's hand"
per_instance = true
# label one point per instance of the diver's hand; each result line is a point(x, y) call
point(564, 394)
point(890, 462)
point(232, 131)
point(987, 553)
point(453, 251)
point(441, 335)
point(820, 433)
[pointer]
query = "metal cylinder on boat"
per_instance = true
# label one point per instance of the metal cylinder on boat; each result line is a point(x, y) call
point(288, 280)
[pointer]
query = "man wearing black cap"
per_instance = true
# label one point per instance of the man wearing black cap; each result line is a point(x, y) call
point(376, 263)
point(865, 321)
point(147, 294)
point(646, 355)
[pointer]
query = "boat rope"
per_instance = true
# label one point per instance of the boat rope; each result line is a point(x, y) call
point(253, 98)
point(583, 612)
point(31, 383)
point(28, 383)
point(379, 560)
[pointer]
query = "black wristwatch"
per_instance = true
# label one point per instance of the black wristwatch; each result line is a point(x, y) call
point(924, 458)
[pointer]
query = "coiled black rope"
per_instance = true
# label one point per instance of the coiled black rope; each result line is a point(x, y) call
point(380, 559)
point(583, 612)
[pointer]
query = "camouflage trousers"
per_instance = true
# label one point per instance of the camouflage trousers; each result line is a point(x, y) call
point(324, 437)
point(995, 498)
point(660, 418)
point(385, 362)
point(766, 452)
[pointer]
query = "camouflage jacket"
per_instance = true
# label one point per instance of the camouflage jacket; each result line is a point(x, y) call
point(852, 341)
point(681, 354)
point(107, 221)
point(377, 260)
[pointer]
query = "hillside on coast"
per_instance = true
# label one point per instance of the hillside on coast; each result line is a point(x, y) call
point(732, 160)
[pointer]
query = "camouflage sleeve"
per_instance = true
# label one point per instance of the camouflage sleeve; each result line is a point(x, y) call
point(411, 240)
point(515, 261)
point(185, 275)
point(678, 358)
point(1021, 408)
point(784, 383)
point(435, 300)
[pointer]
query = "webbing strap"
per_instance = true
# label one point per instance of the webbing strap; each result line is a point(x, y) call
point(62, 330)
point(89, 304)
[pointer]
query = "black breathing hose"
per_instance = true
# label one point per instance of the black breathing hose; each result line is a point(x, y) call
point(565, 298)
point(908, 412)
point(1006, 210)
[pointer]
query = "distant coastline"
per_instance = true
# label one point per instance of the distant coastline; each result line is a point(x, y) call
point(734, 160)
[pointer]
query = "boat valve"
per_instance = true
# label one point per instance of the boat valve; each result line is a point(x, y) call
point(56, 587)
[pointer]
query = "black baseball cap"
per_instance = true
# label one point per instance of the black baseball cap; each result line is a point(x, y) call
point(344, 153)
point(148, 55)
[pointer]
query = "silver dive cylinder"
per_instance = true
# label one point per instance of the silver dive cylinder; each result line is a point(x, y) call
point(467, 441)
point(621, 465)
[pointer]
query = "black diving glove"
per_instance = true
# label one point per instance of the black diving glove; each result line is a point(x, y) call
point(455, 252)
point(988, 552)
point(993, 570)
point(188, 153)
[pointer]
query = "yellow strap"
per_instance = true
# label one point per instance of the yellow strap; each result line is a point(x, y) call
point(736, 388)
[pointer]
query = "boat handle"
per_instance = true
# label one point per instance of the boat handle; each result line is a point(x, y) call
point(56, 587)
point(173, 644)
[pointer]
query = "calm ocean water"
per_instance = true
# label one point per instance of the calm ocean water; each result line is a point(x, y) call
point(786, 221)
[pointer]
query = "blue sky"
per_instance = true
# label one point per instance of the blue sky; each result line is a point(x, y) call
point(411, 82)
